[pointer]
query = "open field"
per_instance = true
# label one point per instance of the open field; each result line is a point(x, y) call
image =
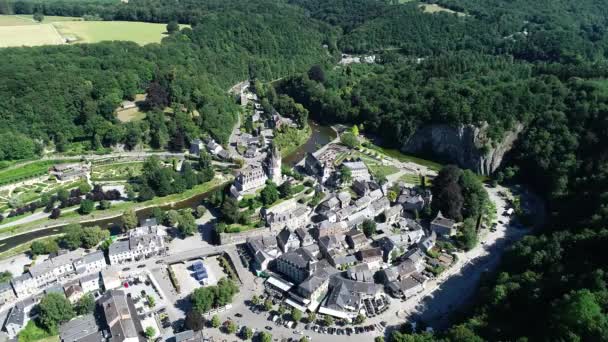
point(29, 35)
point(20, 20)
point(14, 174)
point(97, 31)
point(405, 158)
point(21, 31)
point(132, 114)
point(434, 8)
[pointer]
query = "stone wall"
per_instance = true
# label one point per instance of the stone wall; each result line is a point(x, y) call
point(466, 145)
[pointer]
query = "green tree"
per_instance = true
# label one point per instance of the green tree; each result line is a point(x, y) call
point(255, 300)
point(286, 189)
point(38, 16)
point(53, 310)
point(172, 27)
point(150, 301)
point(392, 196)
point(269, 194)
point(355, 130)
point(282, 310)
point(129, 220)
point(265, 337)
point(230, 210)
point(247, 333)
point(63, 195)
point(349, 140)
point(328, 320)
point(215, 321)
point(5, 276)
point(86, 207)
point(304, 339)
point(268, 305)
point(359, 319)
point(230, 327)
point(187, 225)
point(91, 236)
point(85, 305)
point(172, 218)
point(45, 246)
point(200, 211)
point(579, 312)
point(369, 227)
point(72, 238)
point(345, 174)
point(379, 339)
point(296, 315)
point(104, 205)
point(84, 188)
point(311, 317)
point(150, 332)
point(468, 236)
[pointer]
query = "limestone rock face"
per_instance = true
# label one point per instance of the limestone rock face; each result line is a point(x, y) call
point(465, 145)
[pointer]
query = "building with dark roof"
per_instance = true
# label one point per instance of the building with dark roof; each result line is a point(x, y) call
point(442, 226)
point(296, 265)
point(15, 322)
point(121, 317)
point(81, 329)
point(288, 240)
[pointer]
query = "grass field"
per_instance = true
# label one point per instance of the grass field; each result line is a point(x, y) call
point(29, 35)
point(405, 158)
point(34, 169)
point(23, 31)
point(19, 20)
point(132, 114)
point(97, 31)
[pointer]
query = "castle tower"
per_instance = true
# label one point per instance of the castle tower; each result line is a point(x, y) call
point(274, 165)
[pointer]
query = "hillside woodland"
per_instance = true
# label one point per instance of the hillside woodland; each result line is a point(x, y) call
point(538, 63)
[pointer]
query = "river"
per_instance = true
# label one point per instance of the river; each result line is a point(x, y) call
point(321, 135)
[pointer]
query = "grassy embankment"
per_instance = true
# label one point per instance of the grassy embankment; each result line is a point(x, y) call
point(116, 210)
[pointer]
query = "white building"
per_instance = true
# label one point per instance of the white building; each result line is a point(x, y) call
point(250, 178)
point(358, 170)
point(90, 283)
point(92, 262)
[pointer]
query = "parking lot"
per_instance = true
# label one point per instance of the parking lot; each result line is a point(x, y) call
point(185, 274)
point(146, 298)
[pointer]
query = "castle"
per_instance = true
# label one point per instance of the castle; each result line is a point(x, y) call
point(255, 176)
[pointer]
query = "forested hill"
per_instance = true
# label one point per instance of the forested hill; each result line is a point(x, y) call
point(539, 63)
point(67, 95)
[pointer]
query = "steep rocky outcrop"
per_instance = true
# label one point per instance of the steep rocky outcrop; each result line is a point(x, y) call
point(466, 145)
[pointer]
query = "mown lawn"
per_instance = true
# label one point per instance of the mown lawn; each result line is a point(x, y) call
point(404, 157)
point(31, 170)
point(97, 31)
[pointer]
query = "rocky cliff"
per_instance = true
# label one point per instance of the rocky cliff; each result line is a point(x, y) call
point(466, 145)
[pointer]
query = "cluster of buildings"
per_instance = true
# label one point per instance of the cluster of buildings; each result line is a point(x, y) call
point(254, 176)
point(323, 262)
point(74, 274)
point(215, 149)
point(143, 242)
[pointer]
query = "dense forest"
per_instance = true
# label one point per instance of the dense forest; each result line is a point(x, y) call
point(71, 93)
point(541, 64)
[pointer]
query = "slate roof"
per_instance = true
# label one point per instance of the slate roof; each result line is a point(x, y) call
point(16, 316)
point(299, 257)
point(83, 328)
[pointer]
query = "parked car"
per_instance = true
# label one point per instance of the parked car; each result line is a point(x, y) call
point(268, 327)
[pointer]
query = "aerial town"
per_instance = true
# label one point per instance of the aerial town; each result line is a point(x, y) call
point(345, 255)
